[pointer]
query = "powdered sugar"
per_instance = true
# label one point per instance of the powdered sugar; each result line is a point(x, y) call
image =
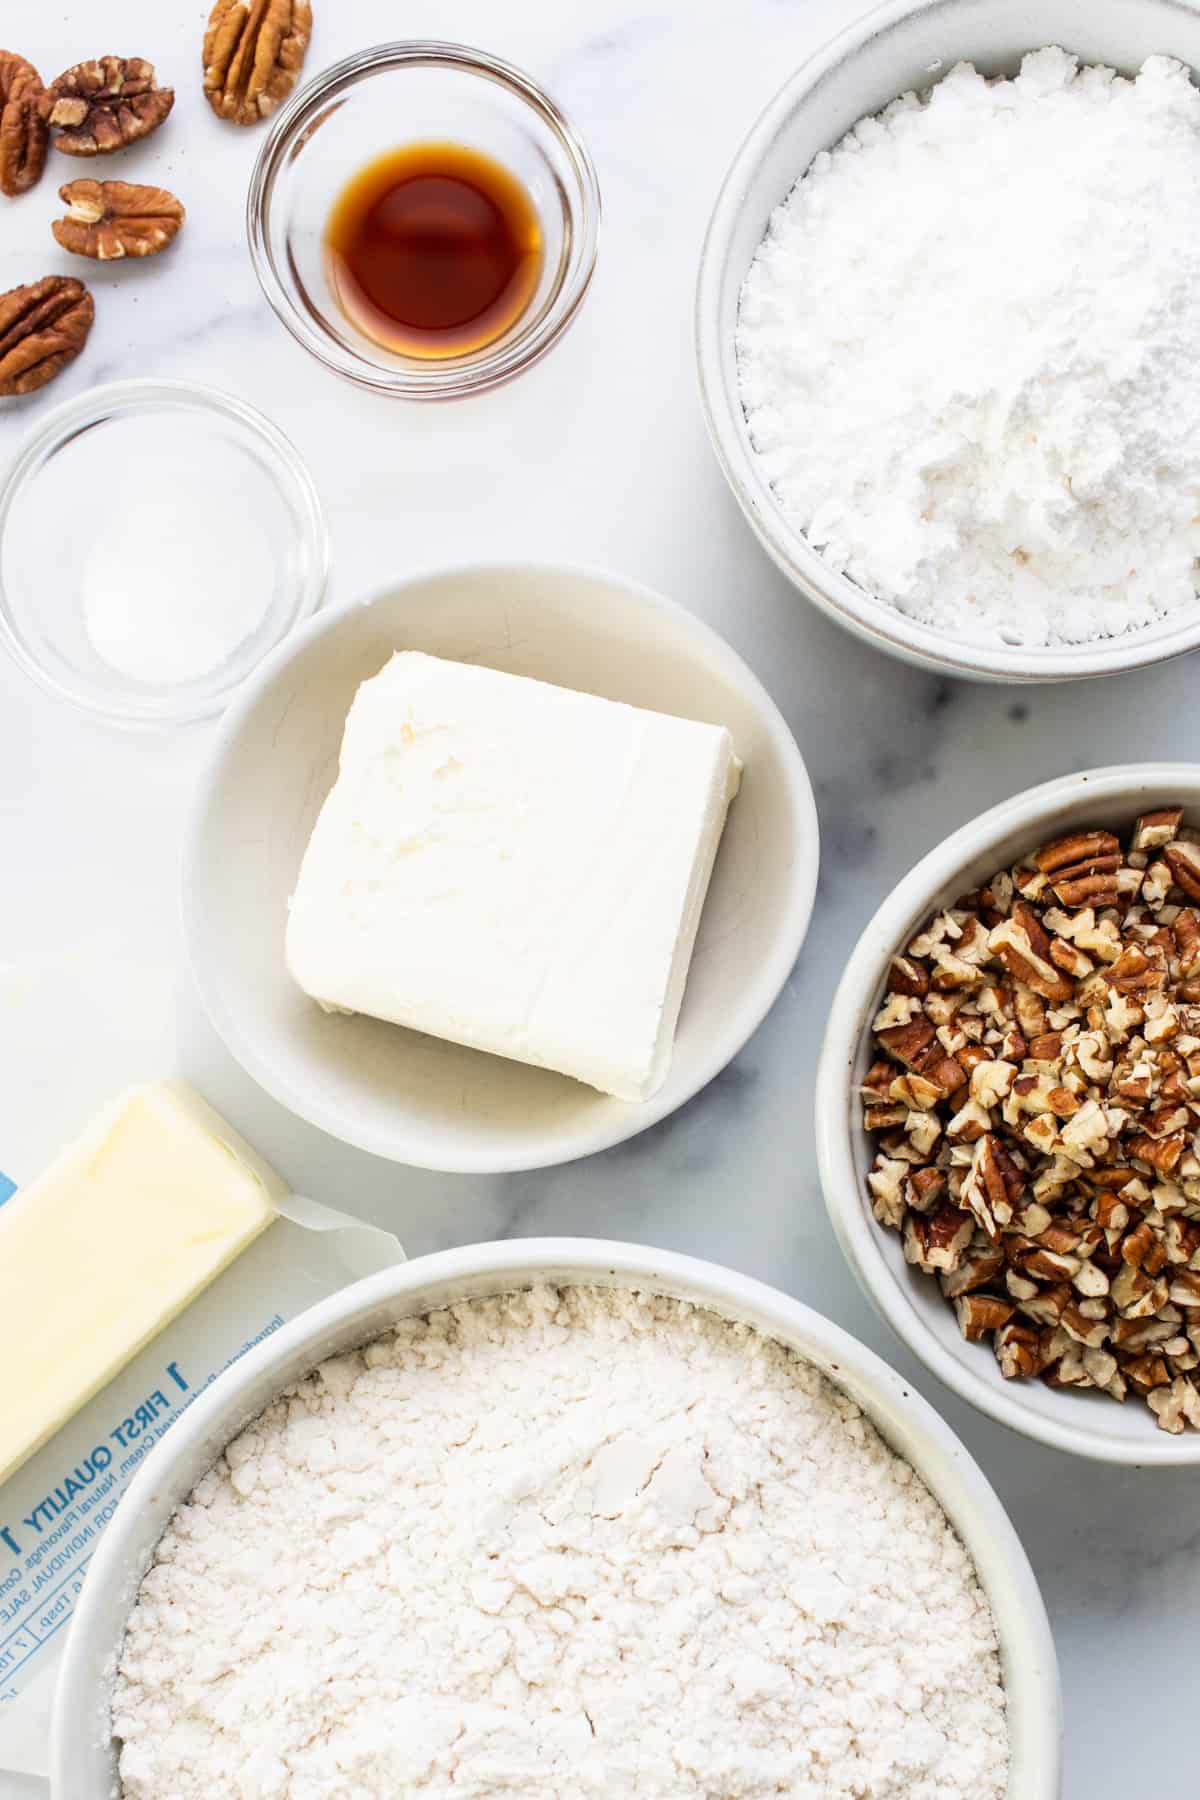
point(969, 352)
point(567, 1543)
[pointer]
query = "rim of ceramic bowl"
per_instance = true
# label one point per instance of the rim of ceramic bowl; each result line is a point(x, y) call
point(929, 884)
point(770, 977)
point(447, 380)
point(835, 594)
point(362, 1311)
point(112, 400)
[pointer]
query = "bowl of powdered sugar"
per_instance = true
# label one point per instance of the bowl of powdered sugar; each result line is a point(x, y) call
point(948, 335)
point(568, 1519)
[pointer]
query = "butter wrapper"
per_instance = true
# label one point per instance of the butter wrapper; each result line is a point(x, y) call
point(54, 1508)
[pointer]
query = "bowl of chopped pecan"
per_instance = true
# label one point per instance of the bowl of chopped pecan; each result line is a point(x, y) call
point(1008, 1113)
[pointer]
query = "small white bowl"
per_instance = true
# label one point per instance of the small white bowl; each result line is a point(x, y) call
point(902, 45)
point(83, 1764)
point(417, 1099)
point(912, 1303)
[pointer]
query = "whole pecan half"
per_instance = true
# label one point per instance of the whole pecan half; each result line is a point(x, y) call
point(111, 219)
point(104, 104)
point(253, 50)
point(43, 327)
point(23, 131)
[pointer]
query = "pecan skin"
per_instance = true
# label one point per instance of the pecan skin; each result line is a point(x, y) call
point(105, 104)
point(111, 219)
point(1078, 847)
point(253, 52)
point(1183, 860)
point(23, 133)
point(43, 327)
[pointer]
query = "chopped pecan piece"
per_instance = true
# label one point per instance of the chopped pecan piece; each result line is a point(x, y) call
point(925, 1188)
point(980, 1313)
point(1070, 958)
point(877, 1083)
point(1046, 1306)
point(105, 104)
point(1183, 860)
point(907, 976)
point(253, 51)
point(1187, 941)
point(1181, 1240)
point(879, 1118)
point(1024, 948)
point(111, 219)
point(22, 128)
point(1050, 1265)
point(998, 1176)
point(43, 327)
point(979, 1268)
point(1096, 883)
point(1077, 847)
point(1175, 1406)
point(1162, 1153)
point(1020, 1350)
point(1136, 1295)
point(936, 1241)
point(1146, 1372)
point(1139, 1246)
point(1134, 972)
point(1185, 1289)
point(886, 1182)
point(1154, 829)
point(1110, 1211)
point(1136, 1335)
point(907, 1042)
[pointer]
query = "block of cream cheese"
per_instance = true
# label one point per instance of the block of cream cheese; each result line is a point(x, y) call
point(515, 867)
point(98, 1254)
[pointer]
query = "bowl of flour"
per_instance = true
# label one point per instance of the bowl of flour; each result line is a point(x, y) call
point(948, 343)
point(567, 1518)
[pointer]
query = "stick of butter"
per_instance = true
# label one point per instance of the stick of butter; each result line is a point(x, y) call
point(114, 1240)
point(515, 867)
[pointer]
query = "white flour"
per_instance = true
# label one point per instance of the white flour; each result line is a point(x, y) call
point(565, 1544)
point(969, 352)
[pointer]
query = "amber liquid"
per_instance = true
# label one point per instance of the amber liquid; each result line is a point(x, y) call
point(434, 250)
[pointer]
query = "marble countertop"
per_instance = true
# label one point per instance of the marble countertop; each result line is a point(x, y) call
point(599, 456)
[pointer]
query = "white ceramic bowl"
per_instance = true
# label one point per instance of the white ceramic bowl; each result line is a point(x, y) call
point(414, 1098)
point(1088, 1425)
point(898, 46)
point(83, 1765)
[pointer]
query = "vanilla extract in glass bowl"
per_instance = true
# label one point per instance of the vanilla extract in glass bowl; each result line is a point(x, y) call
point(423, 220)
point(434, 250)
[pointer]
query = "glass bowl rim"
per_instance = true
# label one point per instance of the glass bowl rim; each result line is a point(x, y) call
point(131, 398)
point(429, 381)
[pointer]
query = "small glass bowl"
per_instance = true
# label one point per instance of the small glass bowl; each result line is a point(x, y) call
point(379, 100)
point(78, 477)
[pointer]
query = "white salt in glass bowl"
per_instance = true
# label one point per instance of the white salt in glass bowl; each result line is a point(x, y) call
point(417, 1099)
point(1086, 1424)
point(902, 45)
point(83, 1760)
point(229, 466)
